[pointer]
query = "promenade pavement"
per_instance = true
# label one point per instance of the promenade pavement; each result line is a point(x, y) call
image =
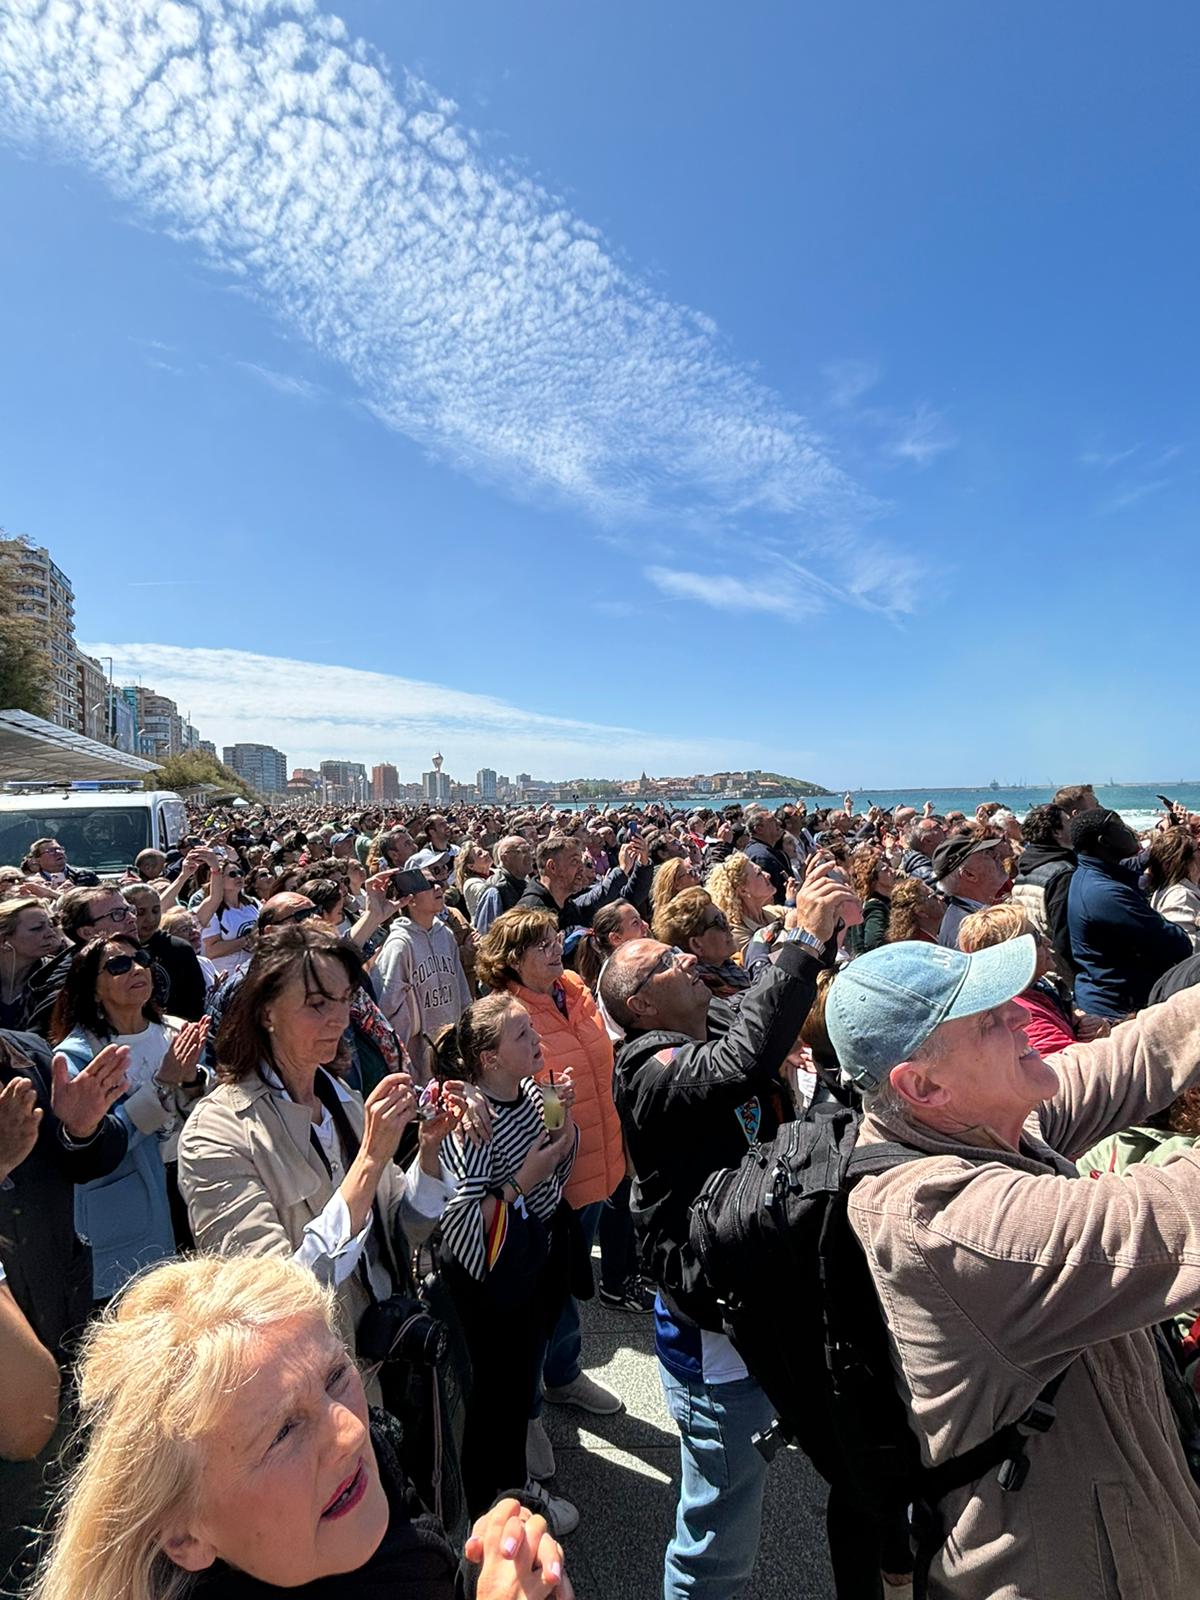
point(623, 1474)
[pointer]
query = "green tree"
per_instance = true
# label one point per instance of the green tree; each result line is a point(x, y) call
point(191, 769)
point(24, 666)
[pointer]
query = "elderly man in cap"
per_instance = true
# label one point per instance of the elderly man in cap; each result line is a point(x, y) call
point(1001, 1269)
point(970, 874)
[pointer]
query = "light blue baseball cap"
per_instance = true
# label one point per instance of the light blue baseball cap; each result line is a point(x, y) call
point(881, 1008)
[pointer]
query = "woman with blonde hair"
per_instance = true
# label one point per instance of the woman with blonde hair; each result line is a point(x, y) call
point(671, 878)
point(27, 936)
point(1050, 1027)
point(744, 892)
point(472, 869)
point(691, 922)
point(231, 1456)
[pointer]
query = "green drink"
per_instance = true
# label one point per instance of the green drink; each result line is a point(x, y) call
point(553, 1114)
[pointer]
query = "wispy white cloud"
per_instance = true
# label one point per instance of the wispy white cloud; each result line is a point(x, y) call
point(917, 436)
point(312, 711)
point(282, 382)
point(920, 437)
point(875, 579)
point(1106, 460)
point(725, 592)
point(1127, 498)
point(849, 380)
point(474, 312)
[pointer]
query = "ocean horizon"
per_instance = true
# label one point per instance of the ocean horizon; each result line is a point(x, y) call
point(1137, 803)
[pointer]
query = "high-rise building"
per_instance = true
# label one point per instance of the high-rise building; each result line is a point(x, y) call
point(122, 720)
point(159, 725)
point(308, 775)
point(46, 599)
point(435, 786)
point(385, 782)
point(208, 747)
point(485, 782)
point(344, 783)
point(93, 698)
point(261, 766)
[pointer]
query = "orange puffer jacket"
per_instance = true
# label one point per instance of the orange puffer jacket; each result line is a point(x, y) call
point(580, 1043)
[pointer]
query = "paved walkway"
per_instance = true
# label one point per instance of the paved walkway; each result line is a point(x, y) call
point(623, 1474)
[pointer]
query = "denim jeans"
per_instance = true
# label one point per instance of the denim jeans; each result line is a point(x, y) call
point(561, 1365)
point(711, 1554)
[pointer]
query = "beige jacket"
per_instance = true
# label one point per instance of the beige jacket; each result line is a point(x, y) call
point(996, 1269)
point(253, 1183)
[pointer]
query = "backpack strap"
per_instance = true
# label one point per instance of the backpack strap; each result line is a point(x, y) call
point(1005, 1449)
point(868, 1160)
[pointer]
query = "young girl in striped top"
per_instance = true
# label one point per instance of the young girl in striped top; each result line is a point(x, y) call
point(500, 1255)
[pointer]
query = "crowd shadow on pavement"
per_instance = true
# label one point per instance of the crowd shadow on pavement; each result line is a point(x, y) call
point(623, 1473)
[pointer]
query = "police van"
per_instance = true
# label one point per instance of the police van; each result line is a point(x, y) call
point(100, 825)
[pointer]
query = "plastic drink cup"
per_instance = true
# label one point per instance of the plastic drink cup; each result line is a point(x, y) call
point(553, 1114)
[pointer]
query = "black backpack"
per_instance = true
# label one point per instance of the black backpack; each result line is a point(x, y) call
point(775, 1245)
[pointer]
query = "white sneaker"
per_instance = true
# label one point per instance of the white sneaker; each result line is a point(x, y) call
point(561, 1516)
point(539, 1452)
point(587, 1394)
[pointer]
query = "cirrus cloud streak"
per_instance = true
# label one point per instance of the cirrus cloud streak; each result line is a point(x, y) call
point(474, 312)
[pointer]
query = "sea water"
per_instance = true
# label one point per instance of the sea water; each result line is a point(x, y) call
point(1137, 803)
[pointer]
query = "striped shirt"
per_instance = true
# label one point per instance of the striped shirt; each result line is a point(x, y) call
point(517, 1126)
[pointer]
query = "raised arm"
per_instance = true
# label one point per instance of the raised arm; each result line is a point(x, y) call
point(29, 1393)
point(1138, 1069)
point(231, 1210)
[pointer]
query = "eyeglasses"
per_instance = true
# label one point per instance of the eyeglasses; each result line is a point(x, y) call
point(547, 947)
point(665, 963)
point(717, 920)
point(118, 966)
point(117, 915)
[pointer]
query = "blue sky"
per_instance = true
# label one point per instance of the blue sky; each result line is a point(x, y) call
point(579, 389)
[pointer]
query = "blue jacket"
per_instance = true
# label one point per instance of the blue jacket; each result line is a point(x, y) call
point(1119, 943)
point(126, 1215)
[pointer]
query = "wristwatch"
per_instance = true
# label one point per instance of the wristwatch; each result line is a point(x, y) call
point(802, 936)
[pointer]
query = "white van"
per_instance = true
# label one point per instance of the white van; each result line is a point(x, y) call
point(101, 825)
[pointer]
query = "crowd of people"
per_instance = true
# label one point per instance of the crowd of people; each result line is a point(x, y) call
point(311, 1125)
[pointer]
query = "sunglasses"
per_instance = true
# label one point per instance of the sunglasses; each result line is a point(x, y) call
point(232, 872)
point(717, 920)
point(118, 966)
point(302, 915)
point(665, 963)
